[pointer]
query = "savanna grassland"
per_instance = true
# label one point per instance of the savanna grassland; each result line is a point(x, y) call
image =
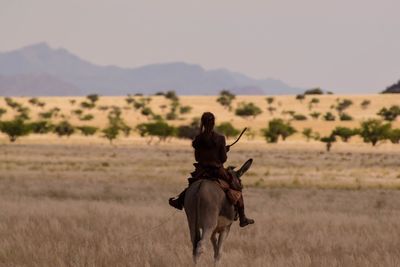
point(102, 205)
point(80, 201)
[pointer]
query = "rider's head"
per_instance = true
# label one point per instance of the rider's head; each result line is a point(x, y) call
point(207, 122)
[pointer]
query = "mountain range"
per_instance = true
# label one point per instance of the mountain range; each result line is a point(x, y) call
point(39, 70)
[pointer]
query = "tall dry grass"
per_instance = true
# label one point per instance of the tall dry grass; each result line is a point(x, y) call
point(101, 205)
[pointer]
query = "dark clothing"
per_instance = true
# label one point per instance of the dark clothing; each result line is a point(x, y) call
point(210, 150)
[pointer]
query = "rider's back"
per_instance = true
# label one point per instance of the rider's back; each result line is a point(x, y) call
point(210, 149)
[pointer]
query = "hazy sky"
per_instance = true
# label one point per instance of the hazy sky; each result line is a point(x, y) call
point(339, 45)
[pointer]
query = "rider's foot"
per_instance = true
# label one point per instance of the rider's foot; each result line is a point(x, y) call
point(245, 221)
point(176, 203)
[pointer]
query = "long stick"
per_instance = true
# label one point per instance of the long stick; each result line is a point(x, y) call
point(238, 137)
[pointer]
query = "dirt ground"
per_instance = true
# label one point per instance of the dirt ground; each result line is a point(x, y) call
point(76, 204)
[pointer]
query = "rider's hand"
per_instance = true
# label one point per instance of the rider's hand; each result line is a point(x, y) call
point(227, 148)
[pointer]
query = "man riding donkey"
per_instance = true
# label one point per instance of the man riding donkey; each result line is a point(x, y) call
point(210, 154)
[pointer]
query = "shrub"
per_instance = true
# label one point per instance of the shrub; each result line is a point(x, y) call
point(271, 110)
point(189, 131)
point(344, 133)
point(276, 128)
point(146, 111)
point(111, 132)
point(328, 140)
point(64, 128)
point(185, 109)
point(93, 98)
point(270, 100)
point(307, 132)
point(87, 117)
point(14, 129)
point(315, 115)
point(389, 114)
point(314, 91)
point(343, 104)
point(365, 104)
point(87, 130)
point(171, 95)
point(11, 103)
point(2, 112)
point(41, 127)
point(159, 129)
point(299, 117)
point(300, 97)
point(394, 136)
point(329, 116)
point(72, 101)
point(227, 129)
point(225, 99)
point(345, 117)
point(87, 105)
point(33, 101)
point(373, 130)
point(247, 109)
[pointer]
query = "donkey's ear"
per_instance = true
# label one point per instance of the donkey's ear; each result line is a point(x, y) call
point(244, 168)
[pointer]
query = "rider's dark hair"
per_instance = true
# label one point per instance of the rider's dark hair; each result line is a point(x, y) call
point(206, 136)
point(207, 123)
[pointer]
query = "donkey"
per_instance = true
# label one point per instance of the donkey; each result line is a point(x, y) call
point(210, 214)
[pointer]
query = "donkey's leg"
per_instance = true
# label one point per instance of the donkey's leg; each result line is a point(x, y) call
point(214, 241)
point(222, 236)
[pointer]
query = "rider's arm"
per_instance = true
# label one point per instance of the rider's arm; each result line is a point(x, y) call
point(222, 151)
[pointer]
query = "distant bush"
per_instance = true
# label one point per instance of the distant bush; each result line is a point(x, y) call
point(41, 127)
point(93, 98)
point(188, 131)
point(394, 136)
point(344, 133)
point(171, 95)
point(365, 104)
point(389, 114)
point(87, 130)
point(225, 99)
point(64, 128)
point(227, 129)
point(87, 105)
point(185, 109)
point(307, 133)
point(14, 129)
point(87, 117)
point(11, 103)
point(271, 110)
point(300, 97)
point(373, 130)
point(270, 100)
point(345, 117)
point(329, 116)
point(158, 129)
point(2, 112)
point(328, 140)
point(247, 110)
point(111, 132)
point(343, 105)
point(315, 115)
point(277, 128)
point(314, 91)
point(299, 117)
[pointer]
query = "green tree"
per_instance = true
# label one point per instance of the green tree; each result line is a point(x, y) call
point(225, 99)
point(394, 136)
point(171, 95)
point(185, 109)
point(247, 110)
point(64, 128)
point(299, 117)
point(2, 112)
point(307, 133)
point(373, 130)
point(345, 117)
point(315, 115)
point(277, 128)
point(270, 100)
point(328, 140)
point(93, 98)
point(314, 91)
point(41, 127)
point(329, 116)
point(14, 129)
point(300, 97)
point(344, 133)
point(111, 132)
point(389, 114)
point(87, 130)
point(227, 129)
point(343, 105)
point(158, 129)
point(365, 104)
point(87, 117)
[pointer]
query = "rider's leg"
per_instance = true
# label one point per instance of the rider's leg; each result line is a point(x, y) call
point(177, 202)
point(242, 216)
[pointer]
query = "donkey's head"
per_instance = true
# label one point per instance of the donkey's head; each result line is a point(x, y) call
point(239, 173)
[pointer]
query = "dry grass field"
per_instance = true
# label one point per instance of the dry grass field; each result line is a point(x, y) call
point(100, 205)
